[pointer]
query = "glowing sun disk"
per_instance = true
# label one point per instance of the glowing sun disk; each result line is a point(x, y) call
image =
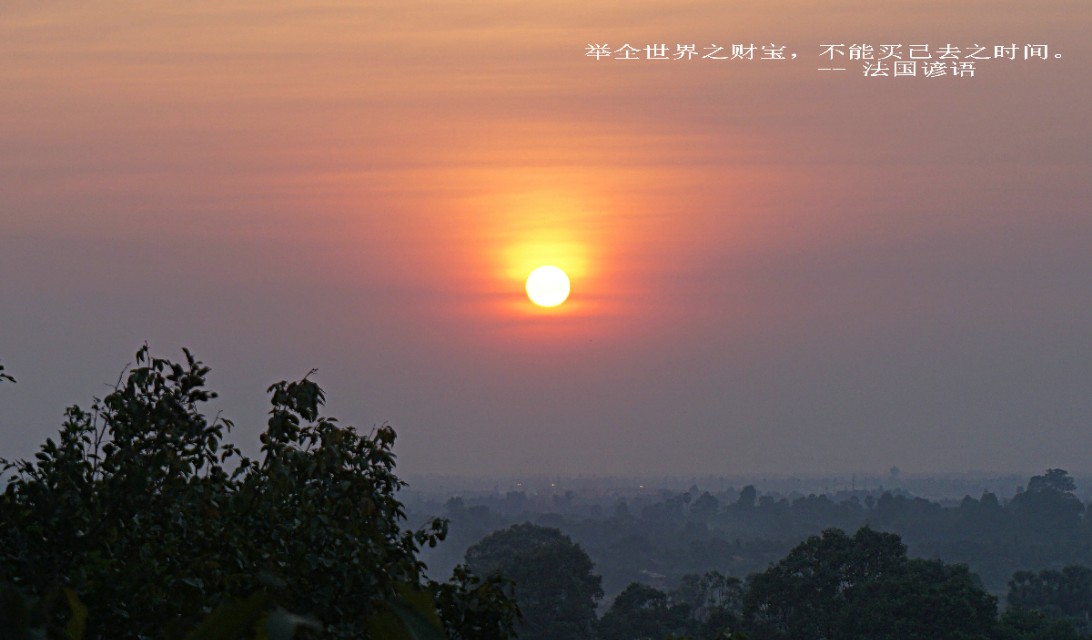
point(548, 286)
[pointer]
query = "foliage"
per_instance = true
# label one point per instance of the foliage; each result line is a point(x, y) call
point(703, 607)
point(1056, 595)
point(1048, 506)
point(641, 612)
point(1054, 480)
point(658, 532)
point(554, 585)
point(705, 505)
point(837, 586)
point(5, 377)
point(1022, 624)
point(25, 618)
point(715, 603)
point(142, 510)
point(474, 608)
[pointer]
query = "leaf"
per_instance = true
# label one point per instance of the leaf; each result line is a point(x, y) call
point(78, 623)
point(420, 602)
point(233, 620)
point(282, 625)
point(411, 617)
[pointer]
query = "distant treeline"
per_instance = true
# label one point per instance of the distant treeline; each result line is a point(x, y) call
point(658, 539)
point(834, 585)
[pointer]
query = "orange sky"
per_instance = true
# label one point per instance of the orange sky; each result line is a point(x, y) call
point(774, 268)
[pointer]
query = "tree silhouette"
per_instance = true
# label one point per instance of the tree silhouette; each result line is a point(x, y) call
point(140, 520)
point(554, 584)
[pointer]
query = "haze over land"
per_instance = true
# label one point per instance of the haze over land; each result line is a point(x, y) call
point(775, 269)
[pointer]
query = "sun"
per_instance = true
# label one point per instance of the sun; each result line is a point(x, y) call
point(548, 286)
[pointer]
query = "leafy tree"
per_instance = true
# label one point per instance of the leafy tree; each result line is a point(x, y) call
point(1054, 480)
point(554, 584)
point(141, 512)
point(714, 603)
point(1057, 595)
point(642, 612)
point(747, 497)
point(474, 608)
point(927, 599)
point(1022, 624)
point(1048, 508)
point(705, 505)
point(837, 586)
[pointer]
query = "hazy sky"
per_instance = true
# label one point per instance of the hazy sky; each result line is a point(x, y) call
point(775, 268)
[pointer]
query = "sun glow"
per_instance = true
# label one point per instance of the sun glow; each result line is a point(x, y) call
point(548, 286)
point(552, 228)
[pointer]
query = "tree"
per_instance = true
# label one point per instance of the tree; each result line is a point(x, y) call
point(142, 513)
point(706, 505)
point(1057, 595)
point(837, 586)
point(1056, 480)
point(714, 603)
point(642, 612)
point(1048, 508)
point(927, 599)
point(1022, 624)
point(747, 497)
point(554, 585)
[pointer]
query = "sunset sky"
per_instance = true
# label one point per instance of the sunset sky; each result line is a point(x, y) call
point(774, 268)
